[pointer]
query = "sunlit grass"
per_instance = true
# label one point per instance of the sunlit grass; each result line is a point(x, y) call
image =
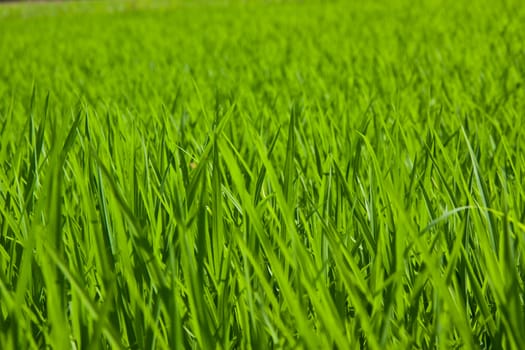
point(262, 175)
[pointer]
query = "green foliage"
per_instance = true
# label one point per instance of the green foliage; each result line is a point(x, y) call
point(262, 175)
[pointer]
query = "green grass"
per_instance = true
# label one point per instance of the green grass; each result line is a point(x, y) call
point(262, 175)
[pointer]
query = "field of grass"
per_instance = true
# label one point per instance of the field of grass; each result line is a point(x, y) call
point(262, 175)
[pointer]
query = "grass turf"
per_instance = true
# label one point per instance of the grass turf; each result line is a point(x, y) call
point(262, 175)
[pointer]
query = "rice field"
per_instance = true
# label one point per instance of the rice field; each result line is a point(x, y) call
point(262, 175)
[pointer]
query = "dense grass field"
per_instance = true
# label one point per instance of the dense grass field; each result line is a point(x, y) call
point(262, 175)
